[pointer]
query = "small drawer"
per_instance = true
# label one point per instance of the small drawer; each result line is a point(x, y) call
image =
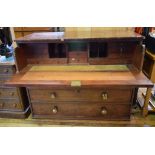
point(78, 55)
point(94, 95)
point(78, 60)
point(7, 69)
point(81, 111)
point(10, 104)
point(8, 93)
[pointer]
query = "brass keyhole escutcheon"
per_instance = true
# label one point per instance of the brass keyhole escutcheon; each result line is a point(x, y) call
point(104, 96)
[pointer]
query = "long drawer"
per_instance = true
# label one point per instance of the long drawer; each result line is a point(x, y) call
point(8, 93)
point(81, 110)
point(97, 95)
point(10, 104)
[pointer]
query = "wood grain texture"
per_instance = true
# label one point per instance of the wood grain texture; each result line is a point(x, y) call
point(98, 29)
point(6, 92)
point(99, 79)
point(20, 59)
point(96, 47)
point(15, 114)
point(46, 37)
point(7, 69)
point(77, 94)
point(138, 57)
point(13, 102)
point(81, 111)
point(22, 31)
point(136, 121)
point(149, 66)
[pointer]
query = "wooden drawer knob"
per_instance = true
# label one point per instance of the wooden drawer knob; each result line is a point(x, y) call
point(1, 105)
point(104, 96)
point(104, 111)
point(6, 71)
point(55, 110)
point(12, 93)
point(53, 95)
point(77, 90)
point(14, 105)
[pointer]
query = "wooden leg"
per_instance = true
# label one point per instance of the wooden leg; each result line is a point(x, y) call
point(146, 102)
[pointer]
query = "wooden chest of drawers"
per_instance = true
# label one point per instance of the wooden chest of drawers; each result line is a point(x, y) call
point(80, 75)
point(103, 103)
point(13, 100)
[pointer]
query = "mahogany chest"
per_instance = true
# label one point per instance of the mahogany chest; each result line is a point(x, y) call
point(80, 75)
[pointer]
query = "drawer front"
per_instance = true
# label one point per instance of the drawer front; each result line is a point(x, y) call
point(121, 49)
point(78, 60)
point(8, 93)
point(97, 95)
point(7, 70)
point(81, 110)
point(10, 104)
point(3, 79)
point(78, 55)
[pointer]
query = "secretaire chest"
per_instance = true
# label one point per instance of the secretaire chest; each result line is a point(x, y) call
point(80, 75)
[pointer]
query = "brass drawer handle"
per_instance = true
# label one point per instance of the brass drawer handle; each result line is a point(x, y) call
point(104, 111)
point(104, 96)
point(55, 110)
point(53, 95)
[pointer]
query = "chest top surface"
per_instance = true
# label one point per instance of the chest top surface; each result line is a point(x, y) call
point(80, 35)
